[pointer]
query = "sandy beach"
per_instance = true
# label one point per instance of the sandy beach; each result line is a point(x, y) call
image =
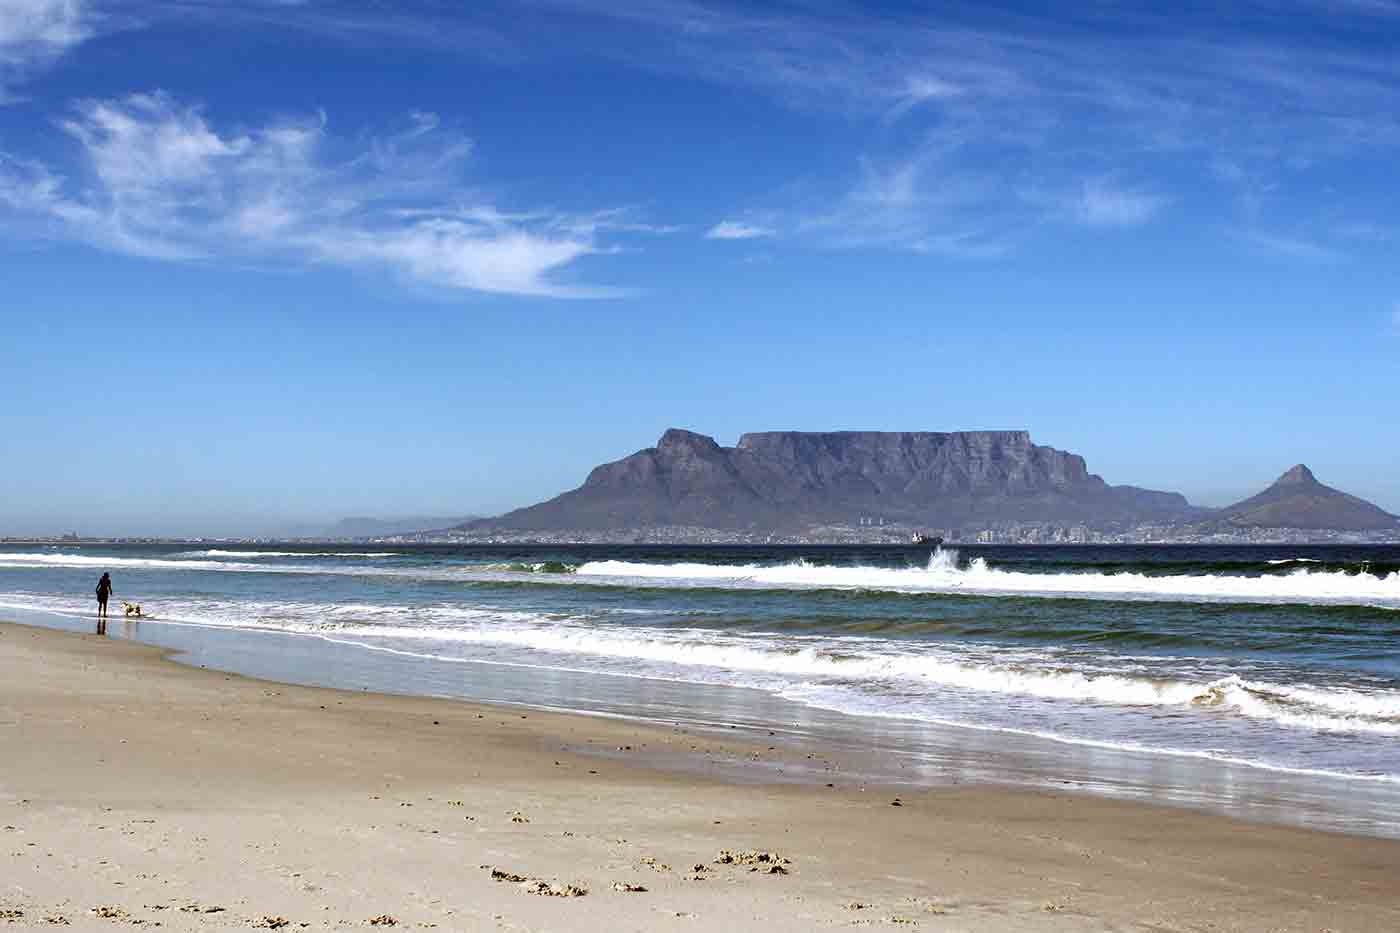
point(137, 791)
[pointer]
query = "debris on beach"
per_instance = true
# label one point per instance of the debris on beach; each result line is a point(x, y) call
point(109, 913)
point(545, 889)
point(517, 817)
point(499, 875)
point(627, 888)
point(651, 862)
point(11, 914)
point(535, 885)
point(751, 857)
point(271, 923)
point(201, 909)
point(383, 920)
point(57, 920)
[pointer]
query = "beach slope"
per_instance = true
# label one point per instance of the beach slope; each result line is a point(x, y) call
point(134, 790)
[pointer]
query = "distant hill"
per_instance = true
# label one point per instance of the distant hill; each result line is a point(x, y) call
point(378, 527)
point(793, 480)
point(1298, 500)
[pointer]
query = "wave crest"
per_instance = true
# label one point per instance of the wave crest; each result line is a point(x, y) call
point(944, 575)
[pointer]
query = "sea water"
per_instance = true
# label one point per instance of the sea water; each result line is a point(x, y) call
point(1270, 674)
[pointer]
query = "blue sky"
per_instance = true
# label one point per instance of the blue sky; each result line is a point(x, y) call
point(271, 262)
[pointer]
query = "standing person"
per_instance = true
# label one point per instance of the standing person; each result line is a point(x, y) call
point(104, 590)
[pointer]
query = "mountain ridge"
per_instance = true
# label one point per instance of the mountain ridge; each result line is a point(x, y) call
point(1298, 500)
point(790, 480)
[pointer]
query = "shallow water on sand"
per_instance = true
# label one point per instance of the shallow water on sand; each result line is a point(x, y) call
point(1258, 681)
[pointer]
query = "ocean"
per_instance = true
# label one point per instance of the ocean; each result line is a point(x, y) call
point(1259, 681)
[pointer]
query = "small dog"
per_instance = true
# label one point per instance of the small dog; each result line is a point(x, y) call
point(133, 609)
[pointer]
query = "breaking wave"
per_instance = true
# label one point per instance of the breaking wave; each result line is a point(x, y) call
point(781, 662)
point(1316, 709)
point(944, 575)
point(11, 559)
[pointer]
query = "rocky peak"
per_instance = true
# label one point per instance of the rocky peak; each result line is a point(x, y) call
point(1299, 475)
point(1298, 500)
point(679, 440)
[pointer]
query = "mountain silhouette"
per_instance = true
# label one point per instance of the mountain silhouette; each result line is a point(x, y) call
point(1297, 500)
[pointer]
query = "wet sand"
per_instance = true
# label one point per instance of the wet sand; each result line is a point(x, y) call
point(137, 791)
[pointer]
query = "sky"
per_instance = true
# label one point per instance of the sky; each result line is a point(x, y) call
point(274, 262)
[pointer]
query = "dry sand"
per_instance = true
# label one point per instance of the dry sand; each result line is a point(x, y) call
point(135, 791)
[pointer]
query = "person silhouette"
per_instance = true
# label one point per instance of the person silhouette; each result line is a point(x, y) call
point(104, 590)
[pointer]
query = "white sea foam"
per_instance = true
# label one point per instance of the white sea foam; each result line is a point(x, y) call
point(96, 560)
point(897, 679)
point(845, 701)
point(177, 562)
point(942, 576)
point(729, 657)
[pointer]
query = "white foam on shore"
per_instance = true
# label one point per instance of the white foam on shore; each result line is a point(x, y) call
point(178, 562)
point(8, 559)
point(855, 661)
point(858, 676)
point(943, 576)
point(1322, 710)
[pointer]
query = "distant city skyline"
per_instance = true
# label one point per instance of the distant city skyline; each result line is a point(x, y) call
point(271, 264)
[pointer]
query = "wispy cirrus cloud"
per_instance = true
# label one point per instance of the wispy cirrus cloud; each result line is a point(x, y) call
point(1102, 204)
point(1010, 103)
point(1287, 246)
point(33, 33)
point(920, 204)
point(474, 29)
point(162, 182)
point(998, 122)
point(738, 230)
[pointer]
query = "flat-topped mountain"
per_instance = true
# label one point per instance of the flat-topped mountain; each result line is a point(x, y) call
point(792, 480)
point(1298, 500)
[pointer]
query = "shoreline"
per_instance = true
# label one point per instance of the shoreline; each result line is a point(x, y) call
point(146, 786)
point(784, 738)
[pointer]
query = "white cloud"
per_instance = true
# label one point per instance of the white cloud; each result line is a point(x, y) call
point(33, 33)
point(925, 203)
point(163, 182)
point(455, 254)
point(1100, 204)
point(1040, 102)
point(738, 230)
point(25, 24)
point(1287, 246)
